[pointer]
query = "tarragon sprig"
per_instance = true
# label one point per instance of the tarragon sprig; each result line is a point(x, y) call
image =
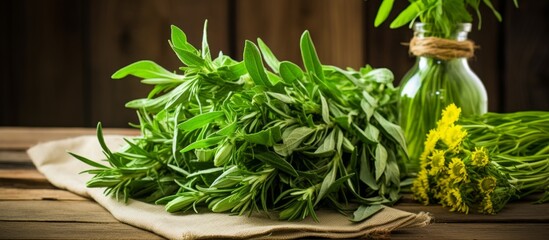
point(234, 136)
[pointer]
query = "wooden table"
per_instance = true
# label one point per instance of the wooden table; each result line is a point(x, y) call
point(31, 208)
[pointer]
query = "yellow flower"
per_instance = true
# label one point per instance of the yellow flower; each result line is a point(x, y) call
point(479, 157)
point(432, 138)
point(443, 185)
point(457, 170)
point(455, 201)
point(486, 206)
point(487, 184)
point(449, 116)
point(420, 187)
point(453, 136)
point(437, 162)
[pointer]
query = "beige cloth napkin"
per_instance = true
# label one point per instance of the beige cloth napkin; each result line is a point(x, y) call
point(62, 170)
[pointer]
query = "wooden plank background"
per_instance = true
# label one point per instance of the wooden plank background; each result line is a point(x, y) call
point(57, 56)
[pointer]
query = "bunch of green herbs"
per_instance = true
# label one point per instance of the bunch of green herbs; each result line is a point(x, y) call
point(433, 83)
point(485, 161)
point(518, 143)
point(442, 15)
point(234, 136)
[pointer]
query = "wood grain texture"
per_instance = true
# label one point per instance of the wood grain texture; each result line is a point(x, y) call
point(384, 46)
point(46, 84)
point(38, 194)
point(14, 157)
point(515, 212)
point(72, 230)
point(526, 70)
point(126, 31)
point(54, 211)
point(20, 138)
point(26, 174)
point(336, 28)
point(483, 231)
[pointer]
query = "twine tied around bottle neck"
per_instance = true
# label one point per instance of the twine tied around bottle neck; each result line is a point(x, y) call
point(441, 48)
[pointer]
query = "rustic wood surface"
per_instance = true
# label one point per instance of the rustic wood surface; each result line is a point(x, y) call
point(31, 208)
point(58, 55)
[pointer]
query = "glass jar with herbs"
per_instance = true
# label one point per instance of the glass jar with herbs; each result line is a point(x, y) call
point(441, 74)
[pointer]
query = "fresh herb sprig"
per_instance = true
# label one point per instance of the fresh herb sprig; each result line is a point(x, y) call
point(233, 136)
point(519, 143)
point(484, 161)
point(442, 15)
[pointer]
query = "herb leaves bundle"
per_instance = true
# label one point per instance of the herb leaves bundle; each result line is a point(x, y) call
point(443, 15)
point(232, 136)
point(484, 161)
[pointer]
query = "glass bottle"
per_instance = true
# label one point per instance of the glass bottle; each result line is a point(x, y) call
point(431, 85)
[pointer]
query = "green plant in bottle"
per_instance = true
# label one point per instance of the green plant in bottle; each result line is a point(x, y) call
point(441, 74)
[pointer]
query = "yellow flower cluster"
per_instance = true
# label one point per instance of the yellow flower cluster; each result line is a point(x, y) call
point(454, 176)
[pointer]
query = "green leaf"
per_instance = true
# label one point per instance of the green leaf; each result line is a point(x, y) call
point(325, 110)
point(383, 12)
point(393, 130)
point(371, 100)
point(204, 154)
point(206, 171)
point(329, 179)
point(160, 81)
point(370, 135)
point(407, 15)
point(175, 131)
point(238, 69)
point(379, 75)
point(276, 161)
point(290, 72)
point(205, 47)
point(392, 172)
point(139, 150)
point(293, 140)
point(309, 56)
point(269, 57)
point(223, 154)
point(338, 183)
point(178, 169)
point(204, 143)
point(282, 97)
point(179, 203)
point(102, 143)
point(179, 40)
point(145, 69)
point(254, 64)
point(365, 212)
point(496, 13)
point(88, 161)
point(273, 78)
point(227, 130)
point(329, 144)
point(267, 137)
point(366, 175)
point(344, 122)
point(367, 108)
point(188, 58)
point(381, 160)
point(225, 204)
point(222, 178)
point(201, 120)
